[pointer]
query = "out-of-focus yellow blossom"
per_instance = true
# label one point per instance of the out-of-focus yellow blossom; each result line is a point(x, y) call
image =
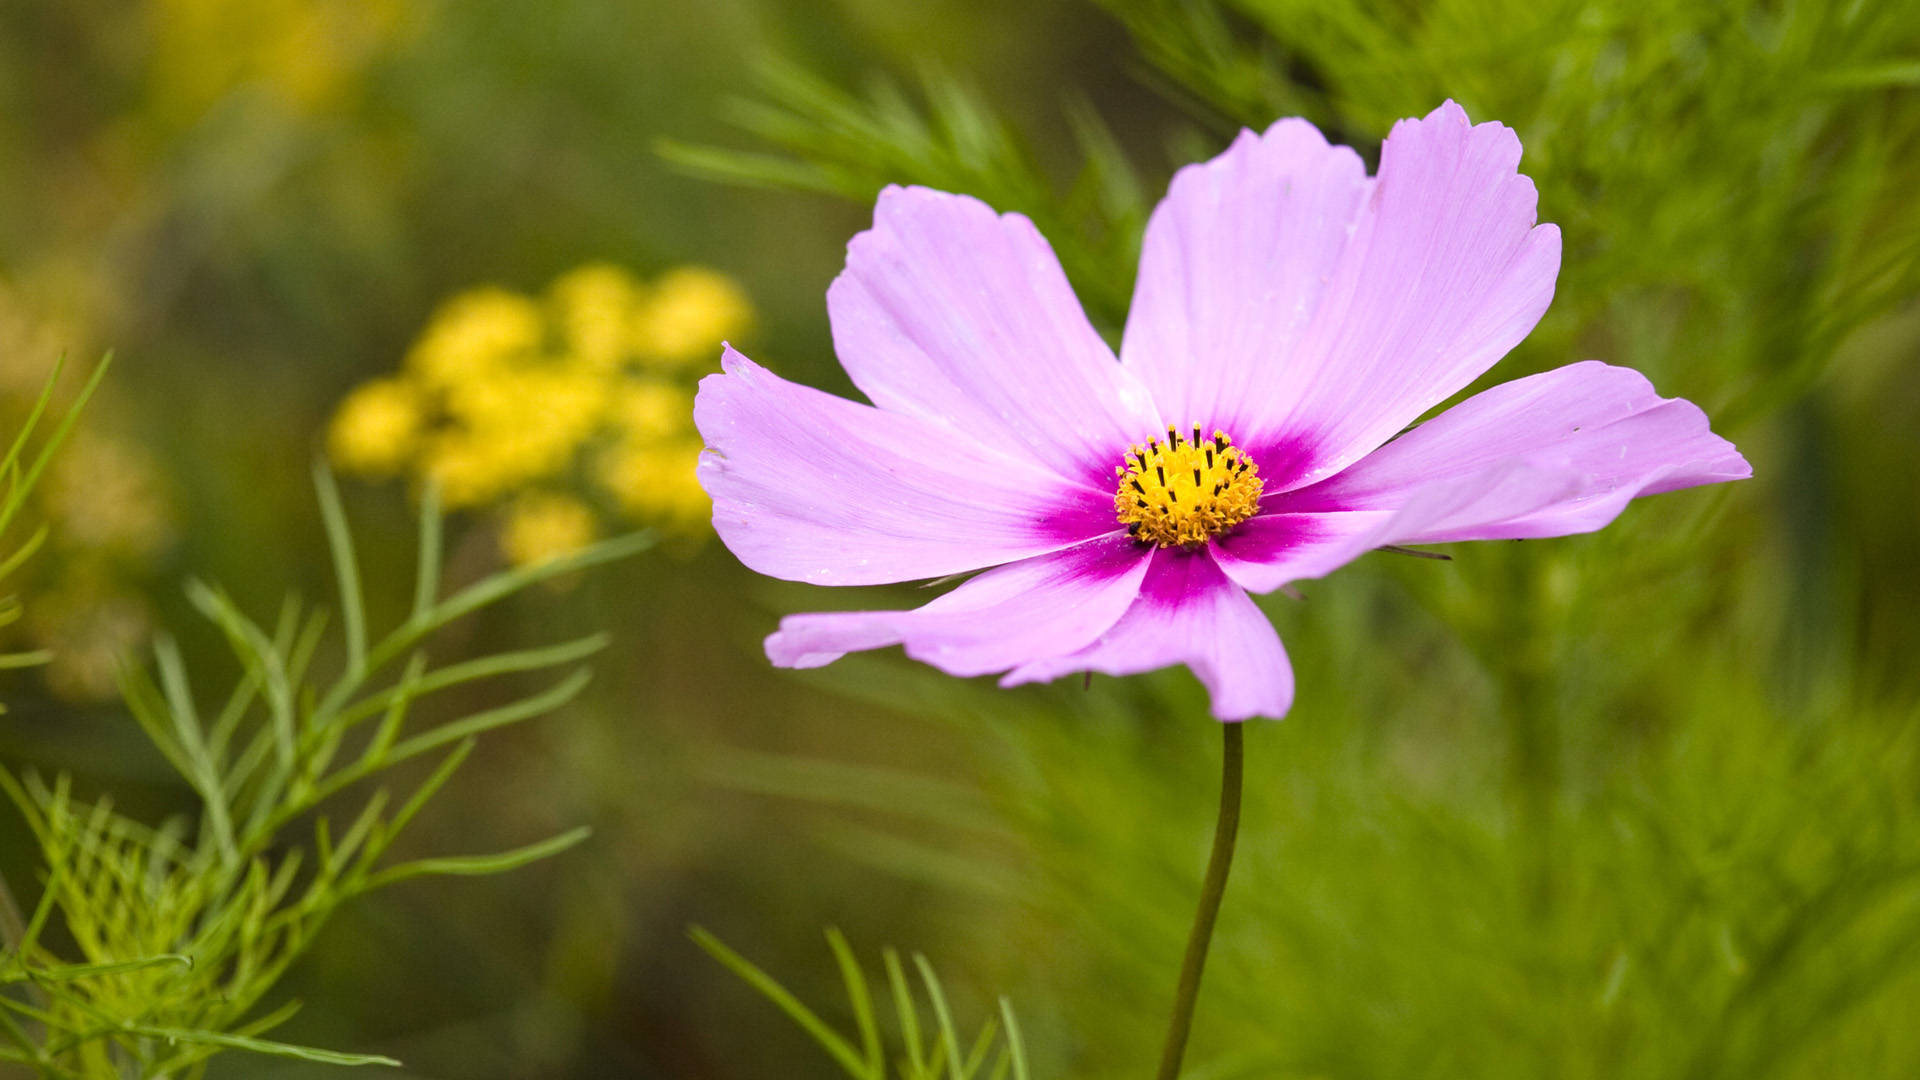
point(466, 470)
point(594, 308)
point(377, 428)
point(506, 399)
point(29, 338)
point(656, 482)
point(91, 625)
point(105, 501)
point(534, 416)
point(306, 53)
point(544, 526)
point(647, 410)
point(475, 335)
point(689, 312)
point(106, 496)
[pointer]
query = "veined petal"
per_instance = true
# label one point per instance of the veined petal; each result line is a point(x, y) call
point(960, 316)
point(810, 487)
point(1445, 271)
point(995, 621)
point(1189, 613)
point(1593, 437)
point(1234, 265)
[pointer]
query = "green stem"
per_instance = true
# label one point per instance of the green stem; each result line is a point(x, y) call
point(1225, 829)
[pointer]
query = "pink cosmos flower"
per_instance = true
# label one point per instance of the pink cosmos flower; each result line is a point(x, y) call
point(1292, 317)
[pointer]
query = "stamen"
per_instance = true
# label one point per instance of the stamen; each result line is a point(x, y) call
point(1222, 488)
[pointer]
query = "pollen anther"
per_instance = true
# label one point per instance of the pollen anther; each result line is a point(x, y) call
point(1179, 491)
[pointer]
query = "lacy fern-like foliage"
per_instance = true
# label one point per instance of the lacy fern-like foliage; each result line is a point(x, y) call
point(927, 1052)
point(182, 929)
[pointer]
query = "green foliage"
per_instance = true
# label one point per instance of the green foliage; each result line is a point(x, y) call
point(20, 478)
point(1743, 901)
point(926, 1053)
point(837, 143)
point(183, 929)
point(20, 475)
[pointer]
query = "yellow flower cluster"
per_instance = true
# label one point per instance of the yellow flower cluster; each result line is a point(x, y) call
point(545, 406)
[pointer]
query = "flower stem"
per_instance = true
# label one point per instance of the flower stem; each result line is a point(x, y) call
point(1225, 829)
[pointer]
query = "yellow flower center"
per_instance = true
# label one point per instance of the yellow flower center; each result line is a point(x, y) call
point(1183, 491)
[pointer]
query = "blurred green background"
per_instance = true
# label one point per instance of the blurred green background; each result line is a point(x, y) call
point(1644, 803)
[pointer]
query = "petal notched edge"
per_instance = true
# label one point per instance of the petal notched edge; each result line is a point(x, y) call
point(1234, 265)
point(1445, 272)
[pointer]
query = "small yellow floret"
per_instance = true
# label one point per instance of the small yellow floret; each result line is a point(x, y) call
point(546, 526)
point(658, 482)
point(690, 311)
point(565, 403)
point(1184, 491)
point(468, 471)
point(476, 332)
point(594, 307)
point(377, 427)
point(646, 411)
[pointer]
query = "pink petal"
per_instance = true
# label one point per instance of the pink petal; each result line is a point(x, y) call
point(1234, 265)
point(1189, 613)
point(811, 487)
point(1594, 437)
point(952, 313)
point(1445, 273)
point(1552, 454)
point(1316, 315)
point(1000, 619)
